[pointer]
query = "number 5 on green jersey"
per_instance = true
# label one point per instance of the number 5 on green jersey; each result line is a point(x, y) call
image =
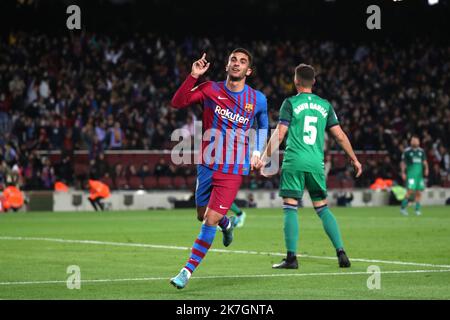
point(310, 130)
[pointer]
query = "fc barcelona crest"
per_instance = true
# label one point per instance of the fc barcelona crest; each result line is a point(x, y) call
point(248, 107)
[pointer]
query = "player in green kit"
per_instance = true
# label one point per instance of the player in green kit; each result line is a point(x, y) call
point(305, 117)
point(414, 166)
point(239, 215)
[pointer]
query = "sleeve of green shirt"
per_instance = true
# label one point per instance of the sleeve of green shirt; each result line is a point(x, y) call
point(285, 113)
point(332, 118)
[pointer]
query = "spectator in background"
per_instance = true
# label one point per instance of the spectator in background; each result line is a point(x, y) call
point(101, 133)
point(9, 154)
point(118, 171)
point(56, 136)
point(189, 127)
point(14, 176)
point(387, 169)
point(43, 141)
point(68, 140)
point(3, 172)
point(92, 82)
point(65, 169)
point(251, 201)
point(16, 87)
point(88, 134)
point(161, 168)
point(48, 177)
point(96, 148)
point(44, 88)
point(435, 176)
point(103, 168)
point(442, 157)
point(345, 198)
point(131, 171)
point(116, 137)
point(348, 180)
point(159, 137)
point(144, 171)
point(32, 173)
point(93, 170)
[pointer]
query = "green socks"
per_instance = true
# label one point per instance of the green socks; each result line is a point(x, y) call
point(236, 209)
point(330, 225)
point(418, 206)
point(291, 224)
point(404, 203)
point(290, 227)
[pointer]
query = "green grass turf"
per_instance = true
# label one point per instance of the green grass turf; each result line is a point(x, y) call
point(370, 233)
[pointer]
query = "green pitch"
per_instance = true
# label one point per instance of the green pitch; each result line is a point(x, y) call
point(135, 254)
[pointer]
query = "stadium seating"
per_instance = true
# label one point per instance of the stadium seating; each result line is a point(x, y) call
point(366, 112)
point(179, 182)
point(135, 183)
point(165, 183)
point(108, 181)
point(150, 183)
point(191, 182)
point(121, 183)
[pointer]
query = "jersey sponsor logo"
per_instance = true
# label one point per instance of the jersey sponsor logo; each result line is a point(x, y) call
point(248, 107)
point(228, 115)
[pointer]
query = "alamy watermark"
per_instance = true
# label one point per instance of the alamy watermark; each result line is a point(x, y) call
point(74, 20)
point(374, 20)
point(374, 280)
point(74, 279)
point(214, 146)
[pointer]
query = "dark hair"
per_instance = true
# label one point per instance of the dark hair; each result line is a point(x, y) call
point(304, 73)
point(246, 52)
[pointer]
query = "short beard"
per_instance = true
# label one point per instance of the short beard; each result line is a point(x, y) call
point(235, 79)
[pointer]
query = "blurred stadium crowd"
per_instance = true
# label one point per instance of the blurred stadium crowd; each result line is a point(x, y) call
point(97, 93)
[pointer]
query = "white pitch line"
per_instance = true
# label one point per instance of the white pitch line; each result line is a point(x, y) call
point(227, 277)
point(155, 246)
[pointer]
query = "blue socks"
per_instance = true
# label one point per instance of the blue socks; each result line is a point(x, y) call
point(201, 246)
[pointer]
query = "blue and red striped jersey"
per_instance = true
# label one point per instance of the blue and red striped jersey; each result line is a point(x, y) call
point(228, 118)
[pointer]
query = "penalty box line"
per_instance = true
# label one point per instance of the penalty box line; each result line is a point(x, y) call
point(154, 246)
point(226, 277)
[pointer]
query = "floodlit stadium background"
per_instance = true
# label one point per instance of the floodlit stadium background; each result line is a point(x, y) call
point(65, 94)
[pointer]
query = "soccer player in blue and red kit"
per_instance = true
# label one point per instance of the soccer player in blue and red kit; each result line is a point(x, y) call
point(229, 110)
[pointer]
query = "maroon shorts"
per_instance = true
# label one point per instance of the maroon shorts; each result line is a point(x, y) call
point(224, 190)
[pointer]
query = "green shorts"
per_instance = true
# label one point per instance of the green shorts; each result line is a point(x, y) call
point(415, 183)
point(293, 184)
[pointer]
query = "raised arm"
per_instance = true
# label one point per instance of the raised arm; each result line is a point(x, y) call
point(342, 139)
point(186, 93)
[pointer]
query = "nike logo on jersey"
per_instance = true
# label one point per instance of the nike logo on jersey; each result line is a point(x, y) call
point(222, 207)
point(222, 98)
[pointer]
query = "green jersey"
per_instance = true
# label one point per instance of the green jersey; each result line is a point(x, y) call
point(308, 116)
point(413, 159)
